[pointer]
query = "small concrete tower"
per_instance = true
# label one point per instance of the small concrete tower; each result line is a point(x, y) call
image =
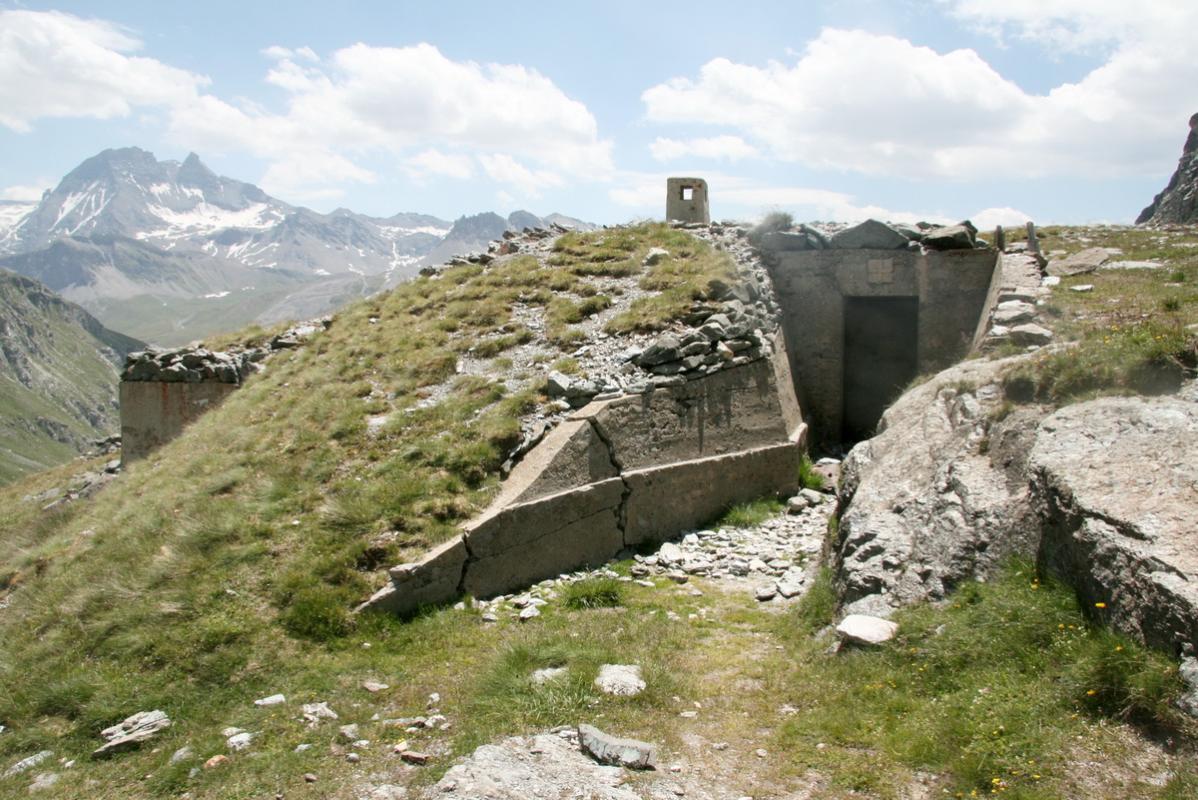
point(686, 200)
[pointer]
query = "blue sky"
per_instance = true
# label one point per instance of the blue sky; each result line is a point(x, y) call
point(1060, 110)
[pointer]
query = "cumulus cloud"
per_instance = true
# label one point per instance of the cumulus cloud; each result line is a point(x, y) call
point(879, 104)
point(434, 162)
point(730, 148)
point(338, 112)
point(59, 65)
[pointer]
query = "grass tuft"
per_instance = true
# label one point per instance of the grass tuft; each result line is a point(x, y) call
point(750, 514)
point(594, 593)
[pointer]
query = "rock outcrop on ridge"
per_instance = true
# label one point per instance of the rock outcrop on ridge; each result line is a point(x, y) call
point(1178, 203)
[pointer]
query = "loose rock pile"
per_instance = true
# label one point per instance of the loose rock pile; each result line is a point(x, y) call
point(871, 235)
point(198, 364)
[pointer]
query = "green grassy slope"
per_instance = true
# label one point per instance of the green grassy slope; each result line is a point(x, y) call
point(222, 569)
point(58, 377)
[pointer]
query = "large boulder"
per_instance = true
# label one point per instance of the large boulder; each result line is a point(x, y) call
point(1115, 483)
point(869, 235)
point(939, 495)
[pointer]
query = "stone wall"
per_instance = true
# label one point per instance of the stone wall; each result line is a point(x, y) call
point(616, 474)
point(162, 391)
point(953, 288)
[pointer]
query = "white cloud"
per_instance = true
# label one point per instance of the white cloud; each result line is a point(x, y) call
point(731, 148)
point(506, 170)
point(26, 193)
point(989, 218)
point(879, 104)
point(360, 102)
point(434, 162)
point(59, 65)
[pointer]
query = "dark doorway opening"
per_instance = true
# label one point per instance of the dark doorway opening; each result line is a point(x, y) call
point(881, 342)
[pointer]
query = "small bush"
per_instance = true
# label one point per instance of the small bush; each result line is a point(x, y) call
point(594, 593)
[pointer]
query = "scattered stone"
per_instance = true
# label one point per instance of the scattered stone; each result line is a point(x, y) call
point(655, 255)
point(607, 749)
point(44, 781)
point(132, 732)
point(415, 757)
point(622, 680)
point(548, 674)
point(314, 712)
point(273, 700)
point(240, 741)
point(27, 763)
point(866, 630)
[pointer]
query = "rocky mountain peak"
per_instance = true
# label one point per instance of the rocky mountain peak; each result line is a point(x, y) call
point(1178, 203)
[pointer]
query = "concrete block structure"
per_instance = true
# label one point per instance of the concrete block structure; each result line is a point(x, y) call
point(620, 473)
point(686, 200)
point(861, 324)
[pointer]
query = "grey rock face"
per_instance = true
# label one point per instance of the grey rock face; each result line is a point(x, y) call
point(519, 768)
point(923, 506)
point(1115, 482)
point(869, 235)
point(1178, 203)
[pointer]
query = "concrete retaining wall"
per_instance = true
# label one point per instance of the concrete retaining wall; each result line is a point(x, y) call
point(154, 412)
point(618, 474)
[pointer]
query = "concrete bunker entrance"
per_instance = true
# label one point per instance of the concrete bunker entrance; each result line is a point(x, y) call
point(881, 356)
point(860, 323)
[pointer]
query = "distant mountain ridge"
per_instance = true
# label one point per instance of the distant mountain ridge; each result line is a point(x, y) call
point(170, 251)
point(58, 377)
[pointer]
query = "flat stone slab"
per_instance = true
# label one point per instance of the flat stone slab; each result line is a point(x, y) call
point(520, 768)
point(608, 749)
point(1079, 263)
point(132, 732)
point(622, 680)
point(866, 630)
